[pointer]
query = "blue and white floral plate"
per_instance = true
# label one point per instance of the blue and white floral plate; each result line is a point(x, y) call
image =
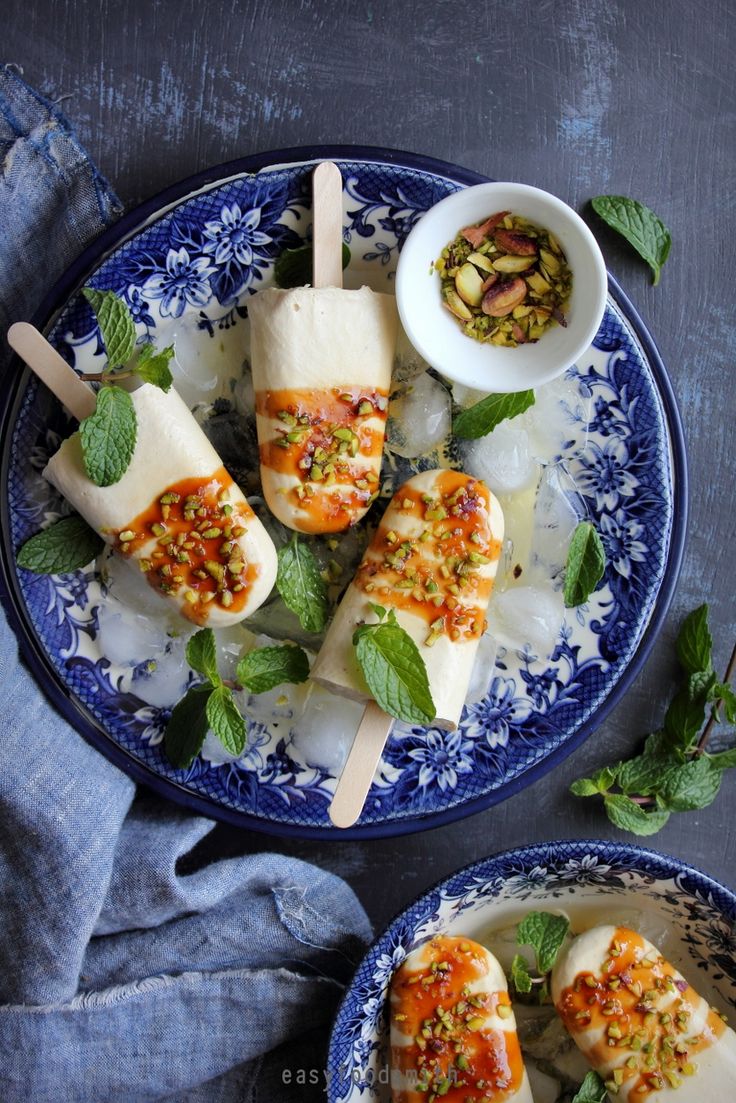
point(688, 915)
point(186, 263)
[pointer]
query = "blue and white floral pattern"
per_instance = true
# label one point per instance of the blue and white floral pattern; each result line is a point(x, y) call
point(698, 914)
point(187, 275)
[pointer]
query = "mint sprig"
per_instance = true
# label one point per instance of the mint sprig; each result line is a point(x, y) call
point(65, 546)
point(211, 704)
point(482, 418)
point(641, 227)
point(674, 772)
point(293, 267)
point(393, 669)
point(117, 327)
point(545, 933)
point(592, 1090)
point(586, 563)
point(108, 436)
point(300, 583)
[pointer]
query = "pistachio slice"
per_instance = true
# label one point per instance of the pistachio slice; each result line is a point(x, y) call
point(469, 284)
point(512, 241)
point(455, 304)
point(501, 299)
point(510, 263)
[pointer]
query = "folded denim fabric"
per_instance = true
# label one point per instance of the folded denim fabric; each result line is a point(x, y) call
point(129, 971)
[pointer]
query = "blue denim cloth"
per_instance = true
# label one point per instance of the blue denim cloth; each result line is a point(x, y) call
point(121, 977)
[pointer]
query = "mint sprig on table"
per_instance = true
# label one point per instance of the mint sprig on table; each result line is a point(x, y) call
point(211, 704)
point(300, 583)
point(482, 418)
point(65, 546)
point(393, 669)
point(108, 435)
point(674, 772)
point(586, 562)
point(641, 227)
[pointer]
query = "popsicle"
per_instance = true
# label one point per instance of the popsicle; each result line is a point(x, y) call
point(638, 1021)
point(322, 358)
point(453, 1031)
point(433, 560)
point(176, 511)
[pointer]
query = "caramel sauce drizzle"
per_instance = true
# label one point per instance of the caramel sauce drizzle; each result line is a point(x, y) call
point(186, 543)
point(453, 1053)
point(637, 1002)
point(434, 571)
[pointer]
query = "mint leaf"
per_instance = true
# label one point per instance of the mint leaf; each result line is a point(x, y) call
point(117, 327)
point(153, 367)
point(202, 655)
point(545, 933)
point(108, 436)
point(630, 816)
point(187, 727)
point(293, 267)
point(691, 786)
point(722, 691)
point(726, 760)
point(266, 667)
point(301, 585)
point(484, 416)
point(694, 642)
point(395, 672)
point(592, 1090)
point(641, 227)
point(686, 713)
point(600, 782)
point(520, 978)
point(645, 774)
point(225, 720)
point(63, 547)
point(586, 562)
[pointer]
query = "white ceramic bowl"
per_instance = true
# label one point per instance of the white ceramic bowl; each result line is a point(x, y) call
point(439, 337)
point(688, 915)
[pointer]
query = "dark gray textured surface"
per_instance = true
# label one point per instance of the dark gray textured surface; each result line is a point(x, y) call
point(580, 97)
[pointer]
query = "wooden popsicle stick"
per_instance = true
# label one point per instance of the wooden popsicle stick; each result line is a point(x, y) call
point(357, 773)
point(327, 228)
point(43, 359)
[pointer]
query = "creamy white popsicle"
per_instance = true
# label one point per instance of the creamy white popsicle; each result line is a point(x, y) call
point(321, 361)
point(638, 1021)
point(433, 560)
point(453, 1030)
point(177, 512)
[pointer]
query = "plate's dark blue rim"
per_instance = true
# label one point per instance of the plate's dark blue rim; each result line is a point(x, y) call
point(62, 698)
point(526, 857)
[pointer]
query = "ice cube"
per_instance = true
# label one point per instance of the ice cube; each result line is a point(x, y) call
point(530, 616)
point(166, 678)
point(560, 414)
point(503, 458)
point(419, 417)
point(324, 731)
point(408, 363)
point(483, 667)
point(557, 511)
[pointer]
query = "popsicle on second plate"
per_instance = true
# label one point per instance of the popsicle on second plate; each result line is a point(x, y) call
point(638, 1021)
point(453, 1031)
point(322, 361)
point(177, 512)
point(433, 560)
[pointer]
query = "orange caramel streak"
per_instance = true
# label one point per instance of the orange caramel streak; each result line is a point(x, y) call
point(450, 537)
point(492, 1057)
point(167, 573)
point(597, 1005)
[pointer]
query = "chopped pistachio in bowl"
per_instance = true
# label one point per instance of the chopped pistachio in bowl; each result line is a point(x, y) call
point(512, 302)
